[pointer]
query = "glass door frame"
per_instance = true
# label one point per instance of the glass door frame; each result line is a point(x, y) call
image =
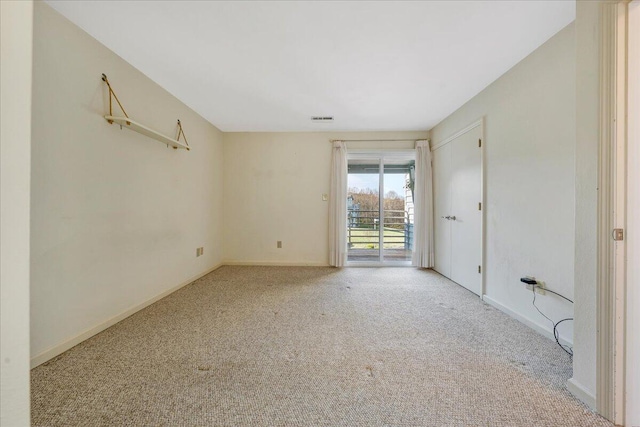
point(380, 156)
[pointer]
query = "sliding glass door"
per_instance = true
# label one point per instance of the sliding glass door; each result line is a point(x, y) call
point(363, 210)
point(380, 208)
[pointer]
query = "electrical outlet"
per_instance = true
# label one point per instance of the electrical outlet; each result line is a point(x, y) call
point(325, 197)
point(530, 282)
point(279, 244)
point(199, 251)
point(540, 287)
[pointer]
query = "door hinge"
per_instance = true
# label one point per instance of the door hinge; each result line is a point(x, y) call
point(480, 143)
point(480, 206)
point(618, 234)
point(479, 269)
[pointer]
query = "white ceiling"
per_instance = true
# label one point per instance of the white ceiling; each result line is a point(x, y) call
point(270, 66)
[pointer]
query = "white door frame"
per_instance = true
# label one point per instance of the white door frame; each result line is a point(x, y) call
point(632, 381)
point(473, 125)
point(612, 174)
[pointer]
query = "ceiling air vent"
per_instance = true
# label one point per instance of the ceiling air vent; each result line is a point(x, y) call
point(322, 119)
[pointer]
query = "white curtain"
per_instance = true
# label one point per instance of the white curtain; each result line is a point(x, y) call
point(338, 206)
point(423, 207)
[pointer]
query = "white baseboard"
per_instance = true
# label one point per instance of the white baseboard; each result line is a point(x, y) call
point(276, 263)
point(66, 345)
point(581, 393)
point(545, 331)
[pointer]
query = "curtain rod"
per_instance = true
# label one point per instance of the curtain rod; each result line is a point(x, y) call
point(376, 140)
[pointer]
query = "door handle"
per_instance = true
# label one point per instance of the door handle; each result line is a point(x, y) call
point(453, 218)
point(446, 217)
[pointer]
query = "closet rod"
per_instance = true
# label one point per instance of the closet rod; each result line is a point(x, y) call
point(375, 140)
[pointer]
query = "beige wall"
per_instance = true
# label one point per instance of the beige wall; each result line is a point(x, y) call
point(116, 216)
point(529, 117)
point(273, 191)
point(16, 40)
point(586, 195)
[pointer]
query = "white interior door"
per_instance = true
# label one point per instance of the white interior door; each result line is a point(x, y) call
point(466, 217)
point(457, 184)
point(442, 208)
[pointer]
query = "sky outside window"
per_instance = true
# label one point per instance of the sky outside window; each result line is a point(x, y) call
point(392, 182)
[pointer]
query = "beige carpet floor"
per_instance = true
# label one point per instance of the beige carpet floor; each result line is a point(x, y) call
point(278, 346)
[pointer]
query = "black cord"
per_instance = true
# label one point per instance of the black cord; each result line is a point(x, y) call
point(567, 349)
point(553, 292)
point(534, 304)
point(556, 335)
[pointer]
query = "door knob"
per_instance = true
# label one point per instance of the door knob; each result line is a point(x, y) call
point(453, 218)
